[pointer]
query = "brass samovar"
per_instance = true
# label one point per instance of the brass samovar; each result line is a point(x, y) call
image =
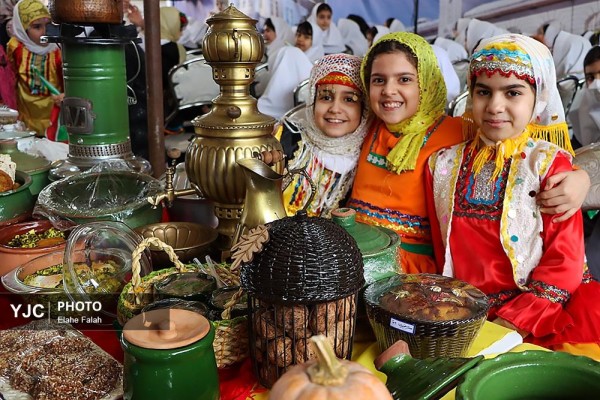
point(234, 129)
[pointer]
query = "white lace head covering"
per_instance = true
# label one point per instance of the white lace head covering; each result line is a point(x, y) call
point(349, 144)
point(34, 10)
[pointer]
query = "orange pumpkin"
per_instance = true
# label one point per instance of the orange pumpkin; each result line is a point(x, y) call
point(328, 378)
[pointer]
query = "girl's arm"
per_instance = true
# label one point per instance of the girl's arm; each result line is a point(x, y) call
point(557, 275)
point(564, 194)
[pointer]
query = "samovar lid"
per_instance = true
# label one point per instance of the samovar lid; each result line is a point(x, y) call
point(228, 14)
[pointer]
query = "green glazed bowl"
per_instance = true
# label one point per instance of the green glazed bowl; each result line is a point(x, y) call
point(532, 375)
point(19, 202)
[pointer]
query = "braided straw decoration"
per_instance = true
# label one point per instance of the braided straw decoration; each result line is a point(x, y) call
point(136, 280)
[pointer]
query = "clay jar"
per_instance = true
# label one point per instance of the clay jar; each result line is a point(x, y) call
point(378, 246)
point(169, 355)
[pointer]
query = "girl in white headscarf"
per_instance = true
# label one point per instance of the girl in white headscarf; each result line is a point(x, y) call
point(531, 268)
point(321, 16)
point(353, 37)
point(585, 118)
point(277, 34)
point(453, 86)
point(397, 26)
point(290, 67)
point(568, 50)
point(309, 39)
point(478, 30)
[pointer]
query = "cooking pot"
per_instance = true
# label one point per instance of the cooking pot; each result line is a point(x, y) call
point(86, 12)
point(16, 205)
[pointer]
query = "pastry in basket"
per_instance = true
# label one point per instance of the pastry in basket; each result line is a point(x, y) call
point(437, 316)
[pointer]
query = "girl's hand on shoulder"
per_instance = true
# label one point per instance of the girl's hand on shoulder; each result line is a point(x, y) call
point(564, 194)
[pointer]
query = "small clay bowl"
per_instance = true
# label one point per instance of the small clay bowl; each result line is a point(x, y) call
point(15, 256)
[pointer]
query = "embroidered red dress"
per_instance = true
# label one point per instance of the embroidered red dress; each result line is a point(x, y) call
point(557, 301)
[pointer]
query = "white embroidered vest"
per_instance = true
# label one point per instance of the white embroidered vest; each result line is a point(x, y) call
point(520, 223)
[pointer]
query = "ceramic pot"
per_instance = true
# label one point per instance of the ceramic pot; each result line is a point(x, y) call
point(36, 167)
point(532, 375)
point(15, 204)
point(15, 256)
point(378, 246)
point(169, 355)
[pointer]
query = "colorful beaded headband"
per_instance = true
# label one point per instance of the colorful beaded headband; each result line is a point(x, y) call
point(338, 78)
point(502, 58)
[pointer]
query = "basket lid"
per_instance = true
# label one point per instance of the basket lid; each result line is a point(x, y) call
point(306, 259)
point(426, 298)
point(166, 328)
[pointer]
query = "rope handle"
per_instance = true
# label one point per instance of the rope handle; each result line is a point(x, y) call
point(136, 280)
point(226, 314)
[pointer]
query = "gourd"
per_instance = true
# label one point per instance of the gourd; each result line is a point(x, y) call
point(328, 378)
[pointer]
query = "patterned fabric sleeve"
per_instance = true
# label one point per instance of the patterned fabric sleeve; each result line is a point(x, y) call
point(558, 274)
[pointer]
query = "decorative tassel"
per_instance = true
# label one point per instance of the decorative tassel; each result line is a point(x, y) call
point(501, 151)
point(557, 134)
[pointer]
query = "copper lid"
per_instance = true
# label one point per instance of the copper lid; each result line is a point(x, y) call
point(166, 328)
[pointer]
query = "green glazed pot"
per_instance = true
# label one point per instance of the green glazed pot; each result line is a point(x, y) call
point(379, 246)
point(36, 167)
point(532, 375)
point(16, 203)
point(188, 372)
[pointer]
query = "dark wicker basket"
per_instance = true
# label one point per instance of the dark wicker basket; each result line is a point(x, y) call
point(426, 338)
point(304, 282)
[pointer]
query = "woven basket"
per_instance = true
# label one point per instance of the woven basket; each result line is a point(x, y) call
point(231, 335)
point(425, 338)
point(304, 281)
